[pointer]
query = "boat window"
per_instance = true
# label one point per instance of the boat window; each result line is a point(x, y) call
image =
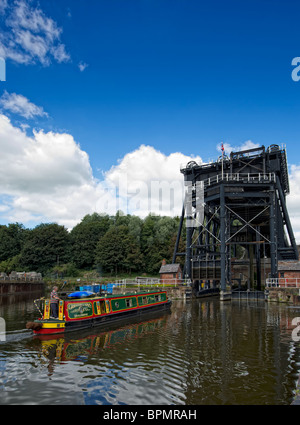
point(117, 305)
point(157, 298)
point(102, 306)
point(145, 301)
point(129, 302)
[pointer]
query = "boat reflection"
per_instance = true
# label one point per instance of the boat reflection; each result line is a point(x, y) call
point(81, 345)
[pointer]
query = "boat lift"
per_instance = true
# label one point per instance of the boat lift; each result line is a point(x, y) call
point(237, 201)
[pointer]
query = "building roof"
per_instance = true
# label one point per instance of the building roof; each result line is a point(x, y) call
point(289, 265)
point(169, 268)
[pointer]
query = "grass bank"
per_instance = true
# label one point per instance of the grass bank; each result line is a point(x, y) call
point(88, 278)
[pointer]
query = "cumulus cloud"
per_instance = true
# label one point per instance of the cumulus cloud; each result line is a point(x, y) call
point(48, 177)
point(150, 181)
point(19, 104)
point(30, 36)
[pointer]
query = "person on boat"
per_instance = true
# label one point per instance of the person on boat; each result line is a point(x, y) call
point(54, 298)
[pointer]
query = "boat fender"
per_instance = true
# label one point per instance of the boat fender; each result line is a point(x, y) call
point(34, 326)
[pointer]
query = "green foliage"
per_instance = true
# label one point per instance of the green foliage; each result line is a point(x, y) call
point(107, 244)
point(13, 263)
point(65, 270)
point(157, 235)
point(118, 251)
point(45, 246)
point(85, 236)
point(12, 238)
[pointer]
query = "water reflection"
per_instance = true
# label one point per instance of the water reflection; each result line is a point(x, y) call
point(84, 345)
point(202, 352)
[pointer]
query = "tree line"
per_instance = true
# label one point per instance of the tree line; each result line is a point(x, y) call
point(108, 244)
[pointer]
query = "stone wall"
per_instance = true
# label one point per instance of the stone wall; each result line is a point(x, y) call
point(13, 287)
point(284, 295)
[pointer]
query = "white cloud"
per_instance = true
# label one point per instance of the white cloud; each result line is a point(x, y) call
point(31, 36)
point(48, 177)
point(41, 163)
point(3, 6)
point(82, 66)
point(19, 104)
point(150, 181)
point(59, 53)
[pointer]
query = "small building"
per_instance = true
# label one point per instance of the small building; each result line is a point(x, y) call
point(289, 269)
point(170, 273)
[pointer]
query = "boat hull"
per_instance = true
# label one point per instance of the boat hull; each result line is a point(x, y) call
point(72, 323)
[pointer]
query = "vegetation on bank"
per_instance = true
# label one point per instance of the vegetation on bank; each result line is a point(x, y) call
point(103, 245)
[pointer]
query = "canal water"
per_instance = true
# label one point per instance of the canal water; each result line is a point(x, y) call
point(203, 352)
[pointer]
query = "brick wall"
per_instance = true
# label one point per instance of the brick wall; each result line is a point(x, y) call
point(168, 276)
point(290, 274)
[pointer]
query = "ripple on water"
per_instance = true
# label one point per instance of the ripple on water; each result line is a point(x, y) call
point(199, 354)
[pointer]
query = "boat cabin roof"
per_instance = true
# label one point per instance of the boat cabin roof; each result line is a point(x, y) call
point(107, 296)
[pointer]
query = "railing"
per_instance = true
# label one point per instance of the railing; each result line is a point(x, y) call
point(283, 282)
point(241, 177)
point(13, 279)
point(154, 282)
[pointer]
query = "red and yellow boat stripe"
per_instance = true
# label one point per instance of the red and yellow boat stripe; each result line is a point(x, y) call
point(51, 327)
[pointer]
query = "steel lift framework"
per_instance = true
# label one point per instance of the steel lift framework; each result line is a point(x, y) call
point(239, 200)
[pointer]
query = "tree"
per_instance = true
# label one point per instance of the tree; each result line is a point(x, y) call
point(135, 228)
point(85, 236)
point(12, 238)
point(117, 251)
point(157, 233)
point(46, 246)
point(112, 243)
point(13, 263)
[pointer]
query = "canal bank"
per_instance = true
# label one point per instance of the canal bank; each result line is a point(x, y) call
point(284, 295)
point(20, 287)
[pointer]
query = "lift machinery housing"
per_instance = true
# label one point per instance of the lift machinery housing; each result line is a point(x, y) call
point(238, 200)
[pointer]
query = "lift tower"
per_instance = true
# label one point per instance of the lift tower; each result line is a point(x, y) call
point(237, 200)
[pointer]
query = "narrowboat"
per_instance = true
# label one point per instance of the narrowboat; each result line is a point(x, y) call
point(83, 309)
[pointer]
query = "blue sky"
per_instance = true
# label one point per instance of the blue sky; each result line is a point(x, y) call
point(178, 76)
